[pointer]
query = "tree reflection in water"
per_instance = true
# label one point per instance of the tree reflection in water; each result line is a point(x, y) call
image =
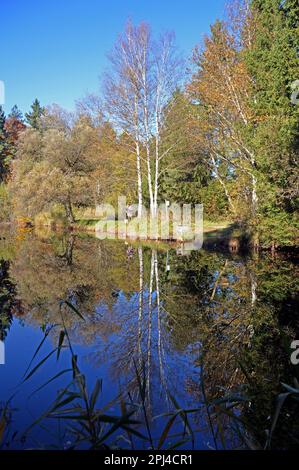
point(210, 331)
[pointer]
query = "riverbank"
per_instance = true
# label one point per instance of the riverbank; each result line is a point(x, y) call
point(122, 229)
point(221, 235)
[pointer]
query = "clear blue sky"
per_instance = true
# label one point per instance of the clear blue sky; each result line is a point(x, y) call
point(55, 50)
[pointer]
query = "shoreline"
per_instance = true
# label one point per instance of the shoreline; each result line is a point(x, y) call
point(215, 236)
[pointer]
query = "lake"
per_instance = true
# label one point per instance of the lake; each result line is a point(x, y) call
point(120, 344)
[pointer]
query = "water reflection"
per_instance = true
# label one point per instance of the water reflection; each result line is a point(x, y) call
point(199, 328)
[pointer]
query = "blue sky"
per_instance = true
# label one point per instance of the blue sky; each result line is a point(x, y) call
point(55, 50)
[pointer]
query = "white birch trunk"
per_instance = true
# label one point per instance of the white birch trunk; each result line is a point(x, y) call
point(157, 155)
point(139, 180)
point(232, 206)
point(138, 160)
point(254, 198)
point(140, 306)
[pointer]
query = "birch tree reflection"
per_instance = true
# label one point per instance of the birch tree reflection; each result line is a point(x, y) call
point(196, 327)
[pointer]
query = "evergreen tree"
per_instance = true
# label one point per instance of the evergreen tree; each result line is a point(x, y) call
point(34, 116)
point(273, 64)
point(7, 299)
point(3, 144)
point(2, 119)
point(15, 113)
point(10, 129)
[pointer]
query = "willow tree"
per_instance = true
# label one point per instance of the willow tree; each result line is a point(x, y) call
point(222, 89)
point(55, 166)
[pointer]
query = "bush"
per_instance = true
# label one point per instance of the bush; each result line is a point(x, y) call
point(278, 228)
point(4, 203)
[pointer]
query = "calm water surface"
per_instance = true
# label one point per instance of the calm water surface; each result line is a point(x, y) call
point(199, 341)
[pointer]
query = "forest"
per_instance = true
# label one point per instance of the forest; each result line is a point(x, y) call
point(220, 128)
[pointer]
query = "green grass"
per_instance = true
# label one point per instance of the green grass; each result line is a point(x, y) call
point(208, 226)
point(221, 224)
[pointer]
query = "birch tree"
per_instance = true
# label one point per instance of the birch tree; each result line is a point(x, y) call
point(122, 89)
point(143, 77)
point(223, 89)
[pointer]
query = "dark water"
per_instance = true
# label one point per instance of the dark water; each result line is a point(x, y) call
point(200, 343)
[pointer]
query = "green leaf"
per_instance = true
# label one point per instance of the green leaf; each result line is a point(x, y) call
point(37, 351)
point(39, 365)
point(95, 393)
point(279, 403)
point(51, 380)
point(291, 389)
point(179, 443)
point(60, 343)
point(74, 309)
point(166, 431)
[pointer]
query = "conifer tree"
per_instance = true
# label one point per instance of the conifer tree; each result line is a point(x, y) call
point(273, 64)
point(2, 119)
point(2, 144)
point(34, 116)
point(15, 113)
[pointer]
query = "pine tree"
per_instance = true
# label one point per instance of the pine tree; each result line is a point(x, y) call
point(2, 119)
point(273, 59)
point(273, 64)
point(10, 129)
point(3, 145)
point(34, 116)
point(15, 113)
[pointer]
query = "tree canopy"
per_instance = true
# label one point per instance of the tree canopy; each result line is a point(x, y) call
point(225, 135)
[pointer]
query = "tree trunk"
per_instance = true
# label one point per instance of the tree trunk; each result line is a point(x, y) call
point(68, 254)
point(150, 313)
point(150, 187)
point(155, 208)
point(69, 211)
point(140, 307)
point(254, 198)
point(157, 153)
point(139, 180)
point(156, 188)
point(231, 204)
point(138, 159)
